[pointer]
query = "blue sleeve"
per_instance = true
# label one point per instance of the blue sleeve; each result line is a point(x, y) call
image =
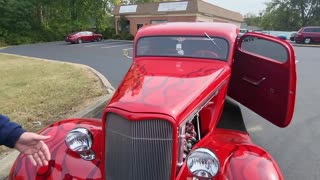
point(10, 132)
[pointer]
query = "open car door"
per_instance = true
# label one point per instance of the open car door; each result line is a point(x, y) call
point(264, 77)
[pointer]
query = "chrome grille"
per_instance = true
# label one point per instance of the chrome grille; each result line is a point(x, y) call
point(138, 150)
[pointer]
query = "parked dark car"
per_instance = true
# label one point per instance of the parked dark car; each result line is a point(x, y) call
point(83, 36)
point(282, 36)
point(292, 36)
point(242, 32)
point(307, 35)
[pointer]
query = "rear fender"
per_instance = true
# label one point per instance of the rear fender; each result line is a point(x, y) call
point(64, 164)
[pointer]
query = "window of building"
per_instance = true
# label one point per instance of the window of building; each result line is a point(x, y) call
point(139, 26)
point(158, 21)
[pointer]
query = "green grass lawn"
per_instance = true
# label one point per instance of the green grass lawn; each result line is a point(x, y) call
point(35, 93)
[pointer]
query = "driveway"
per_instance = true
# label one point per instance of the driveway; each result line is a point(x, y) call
point(296, 148)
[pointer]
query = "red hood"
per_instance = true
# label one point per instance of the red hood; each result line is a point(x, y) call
point(168, 86)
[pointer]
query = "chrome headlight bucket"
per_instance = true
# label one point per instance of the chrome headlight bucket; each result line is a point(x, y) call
point(80, 140)
point(203, 163)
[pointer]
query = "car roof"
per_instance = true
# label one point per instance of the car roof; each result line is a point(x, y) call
point(311, 27)
point(226, 30)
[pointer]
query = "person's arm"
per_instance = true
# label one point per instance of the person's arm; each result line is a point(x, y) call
point(31, 144)
point(10, 132)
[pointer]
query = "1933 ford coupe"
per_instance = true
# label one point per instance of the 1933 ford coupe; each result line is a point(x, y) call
point(175, 114)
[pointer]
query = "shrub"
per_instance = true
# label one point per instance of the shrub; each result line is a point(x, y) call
point(16, 39)
point(109, 33)
point(116, 36)
point(126, 36)
point(129, 37)
point(2, 42)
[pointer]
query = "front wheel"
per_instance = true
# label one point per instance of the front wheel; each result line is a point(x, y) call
point(79, 40)
point(99, 39)
point(307, 40)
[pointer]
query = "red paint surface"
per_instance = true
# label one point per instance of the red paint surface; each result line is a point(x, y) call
point(271, 99)
point(239, 158)
point(170, 89)
point(64, 163)
point(169, 86)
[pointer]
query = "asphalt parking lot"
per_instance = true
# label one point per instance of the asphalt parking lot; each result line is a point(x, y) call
point(104, 56)
point(296, 148)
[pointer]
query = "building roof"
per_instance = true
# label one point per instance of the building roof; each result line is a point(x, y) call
point(177, 7)
point(226, 30)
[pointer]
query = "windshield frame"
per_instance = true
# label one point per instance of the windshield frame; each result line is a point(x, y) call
point(225, 59)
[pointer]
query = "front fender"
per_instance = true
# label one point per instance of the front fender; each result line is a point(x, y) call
point(64, 164)
point(251, 162)
point(239, 158)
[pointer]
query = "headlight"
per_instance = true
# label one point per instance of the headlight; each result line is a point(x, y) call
point(203, 163)
point(79, 140)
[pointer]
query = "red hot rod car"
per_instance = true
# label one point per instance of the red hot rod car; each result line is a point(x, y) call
point(170, 118)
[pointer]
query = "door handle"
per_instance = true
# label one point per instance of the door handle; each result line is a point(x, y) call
point(255, 83)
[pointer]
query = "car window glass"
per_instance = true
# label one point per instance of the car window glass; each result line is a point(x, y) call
point(183, 46)
point(90, 33)
point(308, 30)
point(265, 48)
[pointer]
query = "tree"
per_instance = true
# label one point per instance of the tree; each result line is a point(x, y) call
point(27, 21)
point(286, 15)
point(252, 20)
point(307, 10)
point(291, 14)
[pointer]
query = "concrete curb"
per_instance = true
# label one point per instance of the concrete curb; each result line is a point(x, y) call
point(304, 45)
point(89, 112)
point(307, 45)
point(6, 164)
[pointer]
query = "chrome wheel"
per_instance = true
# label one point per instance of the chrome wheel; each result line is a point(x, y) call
point(307, 40)
point(79, 41)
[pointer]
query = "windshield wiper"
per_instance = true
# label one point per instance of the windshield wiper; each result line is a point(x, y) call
point(212, 40)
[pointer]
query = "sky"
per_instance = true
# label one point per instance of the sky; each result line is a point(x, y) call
point(241, 6)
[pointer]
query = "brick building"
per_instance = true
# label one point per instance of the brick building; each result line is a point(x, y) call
point(138, 15)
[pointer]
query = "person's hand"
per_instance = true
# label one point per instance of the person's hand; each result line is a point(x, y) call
point(32, 145)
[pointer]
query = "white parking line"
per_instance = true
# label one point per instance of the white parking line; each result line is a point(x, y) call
point(116, 46)
point(255, 128)
point(127, 55)
point(102, 44)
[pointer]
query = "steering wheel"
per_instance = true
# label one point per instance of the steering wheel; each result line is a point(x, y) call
point(205, 53)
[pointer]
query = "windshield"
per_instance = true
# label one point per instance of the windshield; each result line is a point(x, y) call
point(183, 46)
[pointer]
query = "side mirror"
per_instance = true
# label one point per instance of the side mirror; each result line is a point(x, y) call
point(126, 53)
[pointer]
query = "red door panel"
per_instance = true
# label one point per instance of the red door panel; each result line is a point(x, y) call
point(264, 77)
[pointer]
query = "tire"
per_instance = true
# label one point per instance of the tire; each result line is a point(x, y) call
point(79, 40)
point(307, 40)
point(99, 39)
